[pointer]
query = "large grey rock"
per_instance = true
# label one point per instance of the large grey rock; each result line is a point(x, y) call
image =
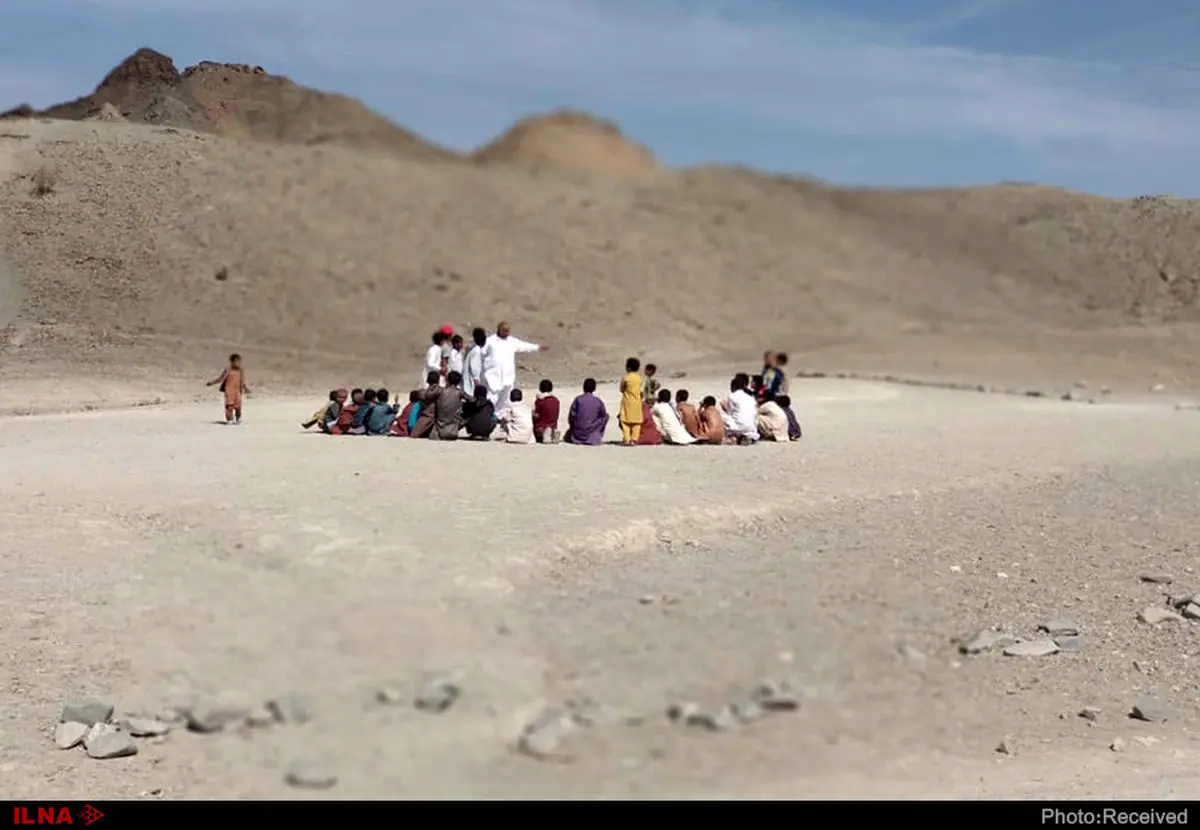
point(1191, 610)
point(1032, 648)
point(310, 773)
point(215, 716)
point(987, 640)
point(70, 735)
point(1150, 709)
point(1156, 614)
point(291, 708)
point(86, 710)
point(105, 741)
point(437, 692)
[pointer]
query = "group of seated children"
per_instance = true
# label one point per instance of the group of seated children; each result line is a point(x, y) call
point(440, 411)
point(754, 410)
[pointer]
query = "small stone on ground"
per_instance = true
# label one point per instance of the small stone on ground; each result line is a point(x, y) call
point(1158, 578)
point(1006, 747)
point(210, 716)
point(1069, 643)
point(105, 741)
point(437, 693)
point(1032, 648)
point(986, 641)
point(144, 727)
point(70, 735)
point(291, 708)
point(544, 735)
point(1060, 626)
point(1150, 709)
point(1156, 614)
point(1117, 744)
point(389, 696)
point(310, 773)
point(776, 696)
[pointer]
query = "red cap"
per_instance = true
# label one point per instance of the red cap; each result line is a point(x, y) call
point(447, 329)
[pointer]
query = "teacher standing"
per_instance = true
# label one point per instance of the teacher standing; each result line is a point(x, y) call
point(500, 365)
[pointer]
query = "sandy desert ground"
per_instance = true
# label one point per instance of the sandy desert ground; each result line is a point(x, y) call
point(152, 556)
point(157, 559)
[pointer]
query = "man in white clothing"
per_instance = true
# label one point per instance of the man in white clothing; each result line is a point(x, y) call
point(500, 365)
point(473, 363)
point(740, 411)
point(434, 359)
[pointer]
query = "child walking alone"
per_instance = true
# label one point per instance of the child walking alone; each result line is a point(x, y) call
point(233, 384)
point(630, 415)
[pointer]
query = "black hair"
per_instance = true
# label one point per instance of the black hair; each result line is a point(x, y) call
point(516, 396)
point(480, 392)
point(740, 381)
point(784, 401)
point(234, 356)
point(433, 377)
point(383, 395)
point(589, 385)
point(651, 368)
point(414, 396)
point(632, 364)
point(545, 386)
point(756, 381)
point(355, 392)
point(369, 394)
point(781, 358)
point(709, 400)
point(458, 338)
point(681, 395)
point(479, 336)
point(664, 395)
point(454, 379)
point(333, 394)
point(439, 337)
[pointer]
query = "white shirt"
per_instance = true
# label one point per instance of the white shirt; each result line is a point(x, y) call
point(517, 422)
point(500, 360)
point(433, 363)
point(668, 423)
point(455, 364)
point(741, 414)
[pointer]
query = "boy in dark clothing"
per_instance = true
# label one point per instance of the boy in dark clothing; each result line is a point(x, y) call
point(774, 382)
point(428, 416)
point(448, 409)
point(785, 403)
point(546, 410)
point(379, 421)
point(407, 418)
point(345, 419)
point(479, 415)
point(359, 425)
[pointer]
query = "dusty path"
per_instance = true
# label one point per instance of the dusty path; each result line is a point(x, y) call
point(150, 554)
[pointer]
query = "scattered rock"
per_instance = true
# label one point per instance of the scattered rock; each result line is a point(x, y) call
point(1117, 745)
point(986, 641)
point(1147, 740)
point(588, 713)
point(1156, 614)
point(292, 708)
point(1069, 643)
point(86, 710)
point(260, 718)
point(1158, 387)
point(646, 600)
point(1105, 390)
point(544, 735)
point(144, 727)
point(70, 735)
point(389, 696)
point(104, 741)
point(437, 693)
point(310, 773)
point(1032, 648)
point(1157, 578)
point(173, 715)
point(1081, 384)
point(1060, 625)
point(747, 711)
point(1150, 709)
point(1006, 747)
point(1191, 611)
point(776, 696)
point(680, 712)
point(215, 716)
point(1090, 713)
point(722, 720)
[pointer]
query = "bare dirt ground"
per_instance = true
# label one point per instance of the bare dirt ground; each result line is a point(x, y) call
point(152, 555)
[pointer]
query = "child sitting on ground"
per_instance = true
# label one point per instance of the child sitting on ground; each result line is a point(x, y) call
point(689, 416)
point(517, 422)
point(359, 425)
point(407, 418)
point(785, 403)
point(546, 410)
point(379, 421)
point(329, 412)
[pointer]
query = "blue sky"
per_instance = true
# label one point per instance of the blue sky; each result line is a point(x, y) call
point(1099, 95)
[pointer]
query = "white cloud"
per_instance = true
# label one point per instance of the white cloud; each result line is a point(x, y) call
point(750, 61)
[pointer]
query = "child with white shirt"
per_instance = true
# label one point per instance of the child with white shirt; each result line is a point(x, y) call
point(517, 420)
